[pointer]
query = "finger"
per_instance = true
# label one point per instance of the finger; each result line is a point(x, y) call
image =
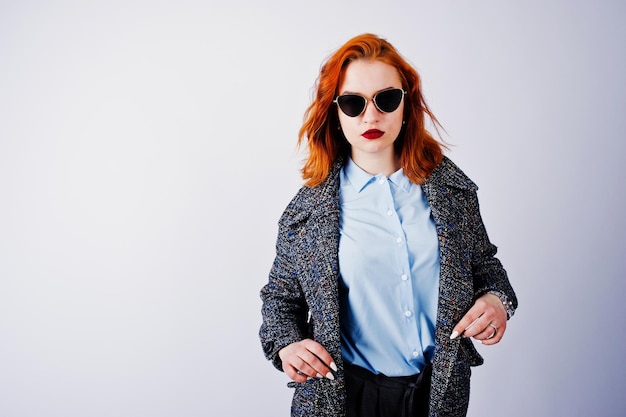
point(477, 327)
point(488, 332)
point(469, 320)
point(311, 365)
point(300, 362)
point(293, 373)
point(297, 376)
point(496, 338)
point(322, 355)
point(487, 307)
point(471, 324)
point(305, 368)
point(299, 369)
point(318, 358)
point(292, 363)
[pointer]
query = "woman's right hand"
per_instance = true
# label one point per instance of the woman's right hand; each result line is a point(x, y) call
point(307, 359)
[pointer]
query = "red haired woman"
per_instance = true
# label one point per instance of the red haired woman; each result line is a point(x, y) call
point(383, 271)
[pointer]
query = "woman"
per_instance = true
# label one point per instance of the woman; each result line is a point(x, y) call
point(383, 268)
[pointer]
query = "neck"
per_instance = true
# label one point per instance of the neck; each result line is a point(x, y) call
point(377, 164)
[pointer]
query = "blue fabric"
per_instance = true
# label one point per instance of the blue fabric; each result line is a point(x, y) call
point(389, 266)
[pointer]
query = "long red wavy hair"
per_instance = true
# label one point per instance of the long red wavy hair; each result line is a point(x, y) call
point(419, 152)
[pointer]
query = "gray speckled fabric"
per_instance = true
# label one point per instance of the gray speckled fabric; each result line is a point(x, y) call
point(301, 298)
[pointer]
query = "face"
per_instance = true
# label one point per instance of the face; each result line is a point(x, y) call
point(372, 133)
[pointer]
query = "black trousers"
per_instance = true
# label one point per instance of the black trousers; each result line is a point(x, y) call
point(377, 395)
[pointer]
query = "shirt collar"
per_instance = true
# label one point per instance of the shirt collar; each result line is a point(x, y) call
point(401, 181)
point(357, 177)
point(360, 179)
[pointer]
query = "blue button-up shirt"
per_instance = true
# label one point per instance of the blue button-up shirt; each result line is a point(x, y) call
point(389, 264)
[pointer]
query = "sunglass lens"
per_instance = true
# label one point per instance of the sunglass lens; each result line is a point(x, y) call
point(351, 104)
point(389, 100)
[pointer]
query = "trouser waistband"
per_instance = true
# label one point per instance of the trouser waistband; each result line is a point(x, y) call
point(412, 391)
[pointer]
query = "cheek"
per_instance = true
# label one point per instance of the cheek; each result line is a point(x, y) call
point(346, 123)
point(396, 122)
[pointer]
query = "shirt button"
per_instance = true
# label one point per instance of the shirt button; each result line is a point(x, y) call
point(381, 180)
point(389, 213)
point(404, 277)
point(408, 313)
point(415, 353)
point(398, 239)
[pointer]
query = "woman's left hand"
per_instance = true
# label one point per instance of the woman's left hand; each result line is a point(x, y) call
point(485, 321)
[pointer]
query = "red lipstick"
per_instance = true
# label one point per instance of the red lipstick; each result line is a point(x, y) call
point(372, 134)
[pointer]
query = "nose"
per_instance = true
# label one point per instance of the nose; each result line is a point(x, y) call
point(371, 112)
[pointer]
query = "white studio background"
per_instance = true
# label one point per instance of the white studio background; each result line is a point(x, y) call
point(147, 149)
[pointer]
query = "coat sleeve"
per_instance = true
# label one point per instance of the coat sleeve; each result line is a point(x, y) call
point(284, 310)
point(487, 270)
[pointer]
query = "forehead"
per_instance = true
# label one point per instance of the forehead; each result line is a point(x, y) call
point(369, 77)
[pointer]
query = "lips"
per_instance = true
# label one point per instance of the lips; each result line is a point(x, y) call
point(372, 134)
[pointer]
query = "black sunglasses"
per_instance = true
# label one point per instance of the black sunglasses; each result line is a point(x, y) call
point(386, 101)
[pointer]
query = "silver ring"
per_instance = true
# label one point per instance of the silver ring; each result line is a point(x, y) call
point(495, 330)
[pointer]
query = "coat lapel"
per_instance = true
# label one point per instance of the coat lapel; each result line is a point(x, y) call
point(315, 224)
point(443, 190)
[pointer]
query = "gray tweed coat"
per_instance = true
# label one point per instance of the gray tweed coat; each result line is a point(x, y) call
point(300, 299)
